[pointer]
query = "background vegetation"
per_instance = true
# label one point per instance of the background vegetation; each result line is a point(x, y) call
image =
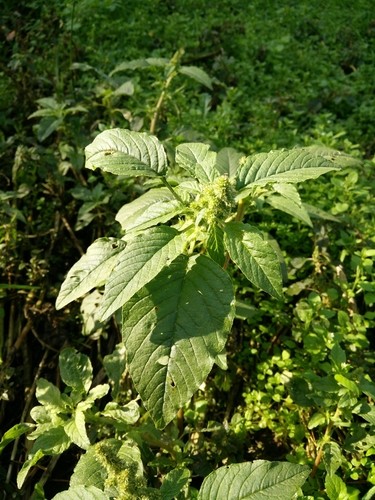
point(283, 74)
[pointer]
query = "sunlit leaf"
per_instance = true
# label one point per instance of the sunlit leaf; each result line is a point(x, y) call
point(145, 256)
point(153, 207)
point(92, 270)
point(198, 160)
point(127, 153)
point(285, 166)
point(255, 256)
point(258, 480)
point(173, 329)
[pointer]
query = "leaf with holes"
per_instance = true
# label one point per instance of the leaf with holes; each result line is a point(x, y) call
point(173, 330)
point(128, 153)
point(254, 256)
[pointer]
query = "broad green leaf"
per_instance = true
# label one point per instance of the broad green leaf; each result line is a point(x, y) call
point(319, 213)
point(44, 415)
point(196, 74)
point(127, 414)
point(337, 157)
point(282, 166)
point(228, 160)
point(140, 64)
point(48, 126)
point(89, 471)
point(127, 88)
point(153, 207)
point(258, 480)
point(128, 153)
point(76, 430)
point(75, 370)
point(82, 493)
point(255, 256)
point(353, 387)
point(106, 457)
point(290, 207)
point(53, 441)
point(49, 396)
point(173, 329)
point(173, 483)
point(196, 158)
point(30, 462)
point(145, 256)
point(336, 488)
point(92, 270)
point(332, 457)
point(316, 420)
point(13, 433)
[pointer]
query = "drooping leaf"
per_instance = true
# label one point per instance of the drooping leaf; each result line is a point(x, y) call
point(289, 207)
point(92, 270)
point(127, 153)
point(140, 64)
point(255, 256)
point(153, 207)
point(26, 466)
point(196, 74)
point(75, 370)
point(289, 201)
point(258, 480)
point(173, 329)
point(198, 160)
point(319, 213)
point(145, 256)
point(296, 165)
point(13, 433)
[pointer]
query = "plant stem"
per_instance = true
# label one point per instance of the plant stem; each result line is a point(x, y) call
point(325, 440)
point(171, 74)
point(167, 185)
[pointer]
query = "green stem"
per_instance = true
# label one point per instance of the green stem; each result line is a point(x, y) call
point(171, 74)
point(325, 440)
point(167, 185)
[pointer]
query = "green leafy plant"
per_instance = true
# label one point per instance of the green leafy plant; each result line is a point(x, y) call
point(173, 281)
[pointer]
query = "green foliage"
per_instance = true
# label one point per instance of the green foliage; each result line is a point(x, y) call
point(295, 380)
point(161, 281)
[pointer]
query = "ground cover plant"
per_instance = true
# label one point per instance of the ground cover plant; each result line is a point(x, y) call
point(222, 83)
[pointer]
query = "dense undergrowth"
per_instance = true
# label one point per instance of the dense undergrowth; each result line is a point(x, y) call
point(298, 384)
